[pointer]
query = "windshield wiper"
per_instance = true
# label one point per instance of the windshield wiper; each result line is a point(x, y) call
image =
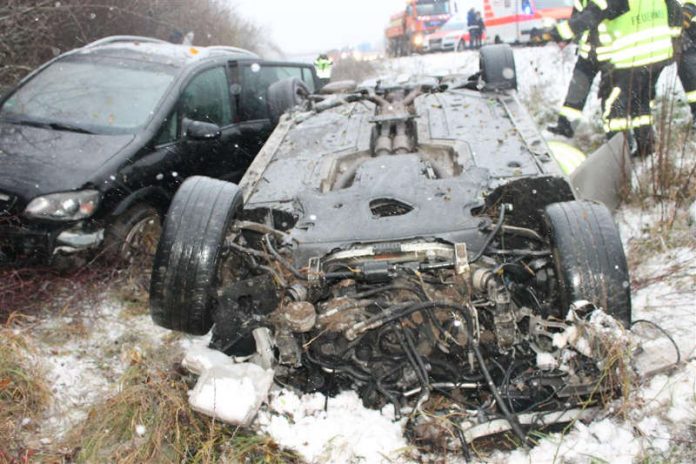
point(68, 127)
point(48, 125)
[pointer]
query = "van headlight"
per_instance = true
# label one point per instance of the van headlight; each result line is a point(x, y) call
point(68, 206)
point(418, 40)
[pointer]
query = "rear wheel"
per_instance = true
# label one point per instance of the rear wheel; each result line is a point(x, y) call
point(589, 257)
point(284, 95)
point(498, 69)
point(186, 267)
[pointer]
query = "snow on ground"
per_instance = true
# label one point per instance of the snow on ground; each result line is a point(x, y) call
point(337, 429)
point(84, 356)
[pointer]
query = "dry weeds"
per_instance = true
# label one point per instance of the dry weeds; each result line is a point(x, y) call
point(24, 395)
point(149, 420)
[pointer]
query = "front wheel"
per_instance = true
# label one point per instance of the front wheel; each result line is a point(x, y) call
point(589, 257)
point(186, 268)
point(132, 236)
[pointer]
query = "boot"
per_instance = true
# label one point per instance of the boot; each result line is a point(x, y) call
point(645, 142)
point(563, 128)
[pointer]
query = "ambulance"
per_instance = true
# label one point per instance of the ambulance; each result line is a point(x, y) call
point(509, 21)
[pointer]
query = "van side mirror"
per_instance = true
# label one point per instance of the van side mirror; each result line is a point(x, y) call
point(201, 131)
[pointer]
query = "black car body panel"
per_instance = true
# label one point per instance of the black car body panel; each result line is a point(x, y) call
point(37, 161)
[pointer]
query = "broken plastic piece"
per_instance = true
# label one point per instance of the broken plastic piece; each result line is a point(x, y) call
point(232, 393)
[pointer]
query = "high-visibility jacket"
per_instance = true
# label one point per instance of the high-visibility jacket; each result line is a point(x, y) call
point(323, 68)
point(640, 37)
point(631, 33)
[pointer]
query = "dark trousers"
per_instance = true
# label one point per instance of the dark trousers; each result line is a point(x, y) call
point(686, 66)
point(474, 37)
point(626, 96)
point(579, 88)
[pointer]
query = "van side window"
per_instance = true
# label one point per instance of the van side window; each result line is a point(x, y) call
point(207, 98)
point(308, 79)
point(169, 132)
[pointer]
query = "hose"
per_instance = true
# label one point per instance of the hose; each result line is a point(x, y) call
point(491, 236)
point(466, 313)
point(293, 270)
point(669, 337)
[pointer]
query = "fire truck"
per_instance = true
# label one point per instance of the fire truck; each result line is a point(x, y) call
point(407, 29)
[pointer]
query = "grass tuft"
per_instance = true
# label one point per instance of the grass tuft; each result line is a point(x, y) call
point(150, 420)
point(24, 394)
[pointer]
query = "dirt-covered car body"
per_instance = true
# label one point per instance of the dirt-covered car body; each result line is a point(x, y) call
point(402, 239)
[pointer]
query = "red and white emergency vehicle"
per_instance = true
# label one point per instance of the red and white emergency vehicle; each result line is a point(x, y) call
point(510, 21)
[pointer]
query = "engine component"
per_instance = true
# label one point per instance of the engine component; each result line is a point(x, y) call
point(299, 316)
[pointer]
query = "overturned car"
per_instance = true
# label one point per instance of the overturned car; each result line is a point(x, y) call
point(406, 240)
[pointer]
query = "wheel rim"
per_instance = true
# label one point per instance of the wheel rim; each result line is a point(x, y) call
point(142, 239)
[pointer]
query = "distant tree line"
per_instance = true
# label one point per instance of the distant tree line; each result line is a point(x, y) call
point(34, 31)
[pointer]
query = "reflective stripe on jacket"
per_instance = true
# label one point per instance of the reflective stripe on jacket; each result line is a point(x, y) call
point(639, 37)
point(323, 68)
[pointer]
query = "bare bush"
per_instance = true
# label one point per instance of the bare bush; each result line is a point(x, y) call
point(34, 31)
point(352, 69)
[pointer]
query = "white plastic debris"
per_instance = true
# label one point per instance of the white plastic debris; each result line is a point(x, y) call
point(199, 359)
point(232, 393)
point(140, 430)
point(546, 361)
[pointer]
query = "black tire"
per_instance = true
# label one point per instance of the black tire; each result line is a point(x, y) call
point(133, 235)
point(498, 70)
point(185, 270)
point(284, 95)
point(589, 257)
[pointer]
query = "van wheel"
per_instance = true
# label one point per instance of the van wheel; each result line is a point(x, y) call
point(186, 268)
point(284, 95)
point(589, 257)
point(498, 70)
point(133, 235)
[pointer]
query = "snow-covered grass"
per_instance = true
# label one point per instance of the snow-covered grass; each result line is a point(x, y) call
point(24, 394)
point(118, 397)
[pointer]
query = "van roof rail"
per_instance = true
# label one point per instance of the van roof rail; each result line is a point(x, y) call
point(225, 48)
point(123, 38)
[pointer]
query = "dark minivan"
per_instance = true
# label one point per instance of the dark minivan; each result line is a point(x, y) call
point(94, 144)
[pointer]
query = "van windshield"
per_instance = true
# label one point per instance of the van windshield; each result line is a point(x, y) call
point(91, 94)
point(433, 7)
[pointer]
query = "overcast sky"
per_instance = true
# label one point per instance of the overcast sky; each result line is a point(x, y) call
point(312, 26)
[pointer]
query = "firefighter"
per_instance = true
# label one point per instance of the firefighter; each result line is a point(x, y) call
point(586, 68)
point(634, 45)
point(323, 64)
point(686, 63)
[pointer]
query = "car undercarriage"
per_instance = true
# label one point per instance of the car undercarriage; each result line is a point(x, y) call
point(413, 241)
